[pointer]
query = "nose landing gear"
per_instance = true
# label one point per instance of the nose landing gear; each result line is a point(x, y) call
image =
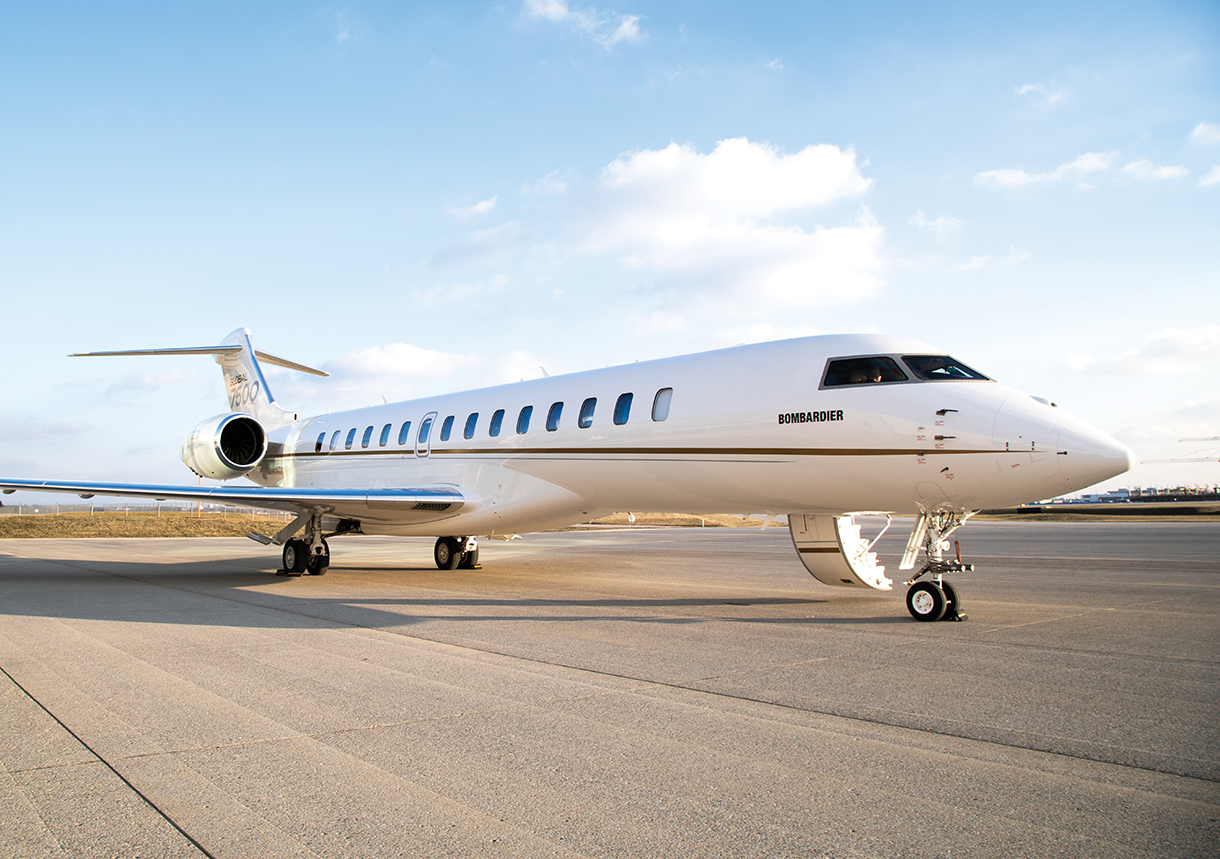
point(934, 598)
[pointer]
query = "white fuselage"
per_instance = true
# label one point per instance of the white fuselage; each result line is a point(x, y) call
point(748, 430)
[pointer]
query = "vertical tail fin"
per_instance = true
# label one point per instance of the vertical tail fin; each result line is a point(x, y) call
point(245, 385)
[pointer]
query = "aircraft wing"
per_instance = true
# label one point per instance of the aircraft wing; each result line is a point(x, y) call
point(408, 504)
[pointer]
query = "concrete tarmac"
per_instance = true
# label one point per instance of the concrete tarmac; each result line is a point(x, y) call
point(685, 693)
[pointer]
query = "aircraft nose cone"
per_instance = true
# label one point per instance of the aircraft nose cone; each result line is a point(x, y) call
point(1087, 455)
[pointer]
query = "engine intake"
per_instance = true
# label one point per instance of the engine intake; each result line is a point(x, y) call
point(225, 446)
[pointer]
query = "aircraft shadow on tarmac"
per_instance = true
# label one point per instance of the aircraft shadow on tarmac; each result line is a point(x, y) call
point(176, 589)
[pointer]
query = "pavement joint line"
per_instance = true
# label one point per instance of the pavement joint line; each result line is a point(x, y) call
point(681, 686)
point(203, 850)
point(34, 809)
point(369, 727)
point(1032, 623)
point(760, 670)
point(877, 720)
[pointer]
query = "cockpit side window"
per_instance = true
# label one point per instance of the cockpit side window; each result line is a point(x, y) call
point(871, 370)
point(941, 368)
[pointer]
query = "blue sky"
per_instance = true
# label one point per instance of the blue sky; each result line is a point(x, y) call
point(429, 197)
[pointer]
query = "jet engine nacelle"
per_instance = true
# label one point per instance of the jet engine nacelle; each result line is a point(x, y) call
point(225, 446)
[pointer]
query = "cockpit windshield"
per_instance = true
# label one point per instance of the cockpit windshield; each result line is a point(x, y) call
point(940, 368)
point(863, 371)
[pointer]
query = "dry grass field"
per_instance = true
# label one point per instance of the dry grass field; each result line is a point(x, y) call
point(117, 523)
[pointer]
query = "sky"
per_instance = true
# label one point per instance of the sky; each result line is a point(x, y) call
point(430, 197)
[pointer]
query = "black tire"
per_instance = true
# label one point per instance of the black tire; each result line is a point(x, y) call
point(296, 555)
point(953, 603)
point(318, 564)
point(926, 601)
point(447, 553)
point(470, 560)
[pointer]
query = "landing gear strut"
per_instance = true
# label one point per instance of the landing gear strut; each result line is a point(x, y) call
point(450, 553)
point(934, 598)
point(309, 555)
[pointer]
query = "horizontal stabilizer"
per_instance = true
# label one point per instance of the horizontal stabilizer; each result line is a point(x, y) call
point(266, 357)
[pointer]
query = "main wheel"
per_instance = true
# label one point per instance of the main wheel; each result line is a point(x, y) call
point(317, 564)
point(926, 601)
point(470, 560)
point(447, 553)
point(296, 556)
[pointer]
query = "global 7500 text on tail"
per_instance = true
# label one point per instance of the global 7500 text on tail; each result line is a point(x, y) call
point(818, 428)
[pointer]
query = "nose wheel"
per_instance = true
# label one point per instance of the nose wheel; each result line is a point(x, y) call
point(934, 598)
point(931, 600)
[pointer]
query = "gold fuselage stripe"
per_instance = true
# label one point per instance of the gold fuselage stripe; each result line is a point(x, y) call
point(646, 451)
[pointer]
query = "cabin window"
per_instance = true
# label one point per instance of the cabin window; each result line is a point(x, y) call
point(404, 433)
point(385, 435)
point(552, 417)
point(660, 404)
point(586, 413)
point(622, 409)
point(367, 437)
point(424, 429)
point(941, 368)
point(351, 437)
point(317, 448)
point(334, 439)
point(496, 420)
point(523, 420)
point(471, 421)
point(447, 428)
point(873, 370)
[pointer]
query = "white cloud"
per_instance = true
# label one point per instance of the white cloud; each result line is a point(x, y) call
point(1206, 134)
point(628, 30)
point(1010, 177)
point(657, 323)
point(762, 332)
point(1145, 169)
point(1212, 177)
point(555, 182)
point(939, 224)
point(1174, 350)
point(463, 213)
point(492, 246)
point(1209, 409)
point(517, 367)
point(19, 429)
point(1047, 98)
point(604, 28)
point(365, 376)
point(451, 292)
point(707, 223)
point(1014, 256)
point(396, 360)
point(776, 64)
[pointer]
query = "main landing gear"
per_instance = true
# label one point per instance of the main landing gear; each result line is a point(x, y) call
point(309, 555)
point(934, 598)
point(452, 553)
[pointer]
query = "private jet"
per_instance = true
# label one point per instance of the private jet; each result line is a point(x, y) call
point(818, 429)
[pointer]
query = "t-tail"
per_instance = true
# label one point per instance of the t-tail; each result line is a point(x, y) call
point(231, 444)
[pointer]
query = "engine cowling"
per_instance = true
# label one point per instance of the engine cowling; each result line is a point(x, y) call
point(225, 446)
